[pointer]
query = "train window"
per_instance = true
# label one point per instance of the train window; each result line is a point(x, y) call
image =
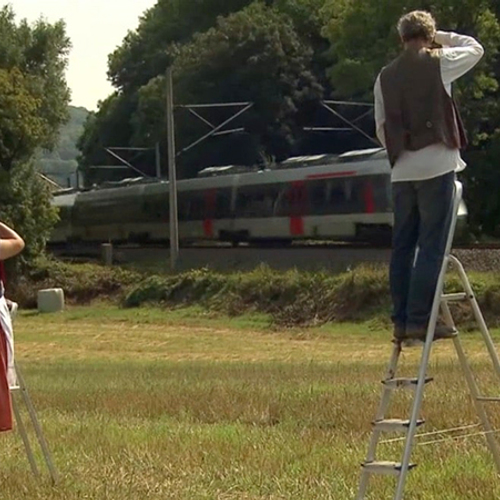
point(256, 201)
point(317, 197)
point(223, 204)
point(344, 196)
point(382, 193)
point(184, 205)
point(196, 206)
point(293, 199)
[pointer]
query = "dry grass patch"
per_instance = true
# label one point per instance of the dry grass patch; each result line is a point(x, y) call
point(144, 404)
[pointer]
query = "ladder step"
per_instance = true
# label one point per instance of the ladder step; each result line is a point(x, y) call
point(488, 399)
point(394, 425)
point(455, 297)
point(385, 468)
point(404, 383)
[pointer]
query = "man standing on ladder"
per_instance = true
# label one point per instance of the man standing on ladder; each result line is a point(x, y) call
point(419, 124)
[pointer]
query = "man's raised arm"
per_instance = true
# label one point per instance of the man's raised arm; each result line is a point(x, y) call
point(460, 54)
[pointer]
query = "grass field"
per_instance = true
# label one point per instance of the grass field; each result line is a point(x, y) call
point(146, 404)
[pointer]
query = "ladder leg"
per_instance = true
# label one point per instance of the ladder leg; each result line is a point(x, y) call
point(384, 404)
point(24, 437)
point(474, 390)
point(417, 403)
point(424, 362)
point(478, 315)
point(37, 427)
point(401, 470)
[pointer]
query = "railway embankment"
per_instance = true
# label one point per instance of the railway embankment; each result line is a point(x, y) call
point(289, 298)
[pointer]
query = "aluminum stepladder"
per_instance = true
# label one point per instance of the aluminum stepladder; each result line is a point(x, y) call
point(17, 388)
point(372, 466)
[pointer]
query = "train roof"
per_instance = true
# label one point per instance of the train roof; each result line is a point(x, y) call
point(226, 170)
point(63, 199)
point(318, 160)
point(352, 163)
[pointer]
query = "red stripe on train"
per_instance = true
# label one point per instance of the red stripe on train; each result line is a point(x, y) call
point(331, 175)
point(296, 226)
point(369, 199)
point(208, 228)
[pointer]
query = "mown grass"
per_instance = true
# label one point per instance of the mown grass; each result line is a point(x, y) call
point(151, 404)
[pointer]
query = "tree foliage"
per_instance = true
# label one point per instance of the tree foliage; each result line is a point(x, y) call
point(252, 56)
point(33, 101)
point(146, 52)
point(284, 55)
point(256, 54)
point(364, 38)
point(60, 164)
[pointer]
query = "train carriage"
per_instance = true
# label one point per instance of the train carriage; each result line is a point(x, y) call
point(326, 197)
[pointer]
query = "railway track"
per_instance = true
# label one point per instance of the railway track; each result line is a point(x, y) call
point(334, 258)
point(313, 245)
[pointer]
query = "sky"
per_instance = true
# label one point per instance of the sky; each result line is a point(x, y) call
point(96, 28)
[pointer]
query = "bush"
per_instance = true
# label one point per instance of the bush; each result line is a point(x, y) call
point(81, 283)
point(292, 298)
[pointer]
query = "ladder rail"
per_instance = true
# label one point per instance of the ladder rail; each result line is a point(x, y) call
point(25, 439)
point(375, 437)
point(474, 390)
point(441, 302)
point(36, 425)
point(419, 393)
point(477, 314)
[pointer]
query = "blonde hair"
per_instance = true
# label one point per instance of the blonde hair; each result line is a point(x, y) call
point(417, 24)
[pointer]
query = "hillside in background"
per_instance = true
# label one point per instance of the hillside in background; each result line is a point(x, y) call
point(60, 164)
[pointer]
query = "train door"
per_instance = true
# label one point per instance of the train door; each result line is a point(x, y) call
point(297, 199)
point(369, 197)
point(232, 210)
point(209, 215)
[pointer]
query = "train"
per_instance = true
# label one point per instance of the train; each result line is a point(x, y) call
point(345, 197)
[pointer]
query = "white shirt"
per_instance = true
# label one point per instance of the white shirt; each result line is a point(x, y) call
point(460, 54)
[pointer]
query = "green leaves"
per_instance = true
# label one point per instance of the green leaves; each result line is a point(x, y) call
point(259, 54)
point(363, 39)
point(145, 53)
point(33, 106)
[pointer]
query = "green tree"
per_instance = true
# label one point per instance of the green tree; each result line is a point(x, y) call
point(254, 55)
point(33, 99)
point(26, 204)
point(146, 52)
point(60, 164)
point(165, 32)
point(109, 126)
point(364, 38)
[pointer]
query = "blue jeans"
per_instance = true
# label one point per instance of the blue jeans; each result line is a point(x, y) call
point(422, 217)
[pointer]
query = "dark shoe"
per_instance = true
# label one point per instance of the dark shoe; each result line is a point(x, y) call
point(401, 338)
point(444, 332)
point(441, 332)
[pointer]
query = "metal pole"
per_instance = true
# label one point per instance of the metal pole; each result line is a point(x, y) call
point(174, 223)
point(158, 161)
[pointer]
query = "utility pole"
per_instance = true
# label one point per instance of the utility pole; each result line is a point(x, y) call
point(172, 177)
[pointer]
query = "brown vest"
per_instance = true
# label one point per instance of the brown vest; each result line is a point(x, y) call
point(419, 112)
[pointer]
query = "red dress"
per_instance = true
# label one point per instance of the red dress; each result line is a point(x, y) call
point(6, 360)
